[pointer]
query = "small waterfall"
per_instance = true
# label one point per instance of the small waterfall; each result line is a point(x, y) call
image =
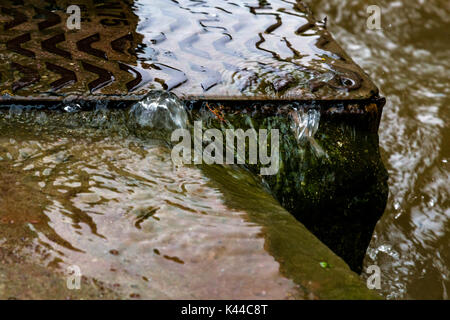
point(159, 110)
point(305, 124)
point(155, 116)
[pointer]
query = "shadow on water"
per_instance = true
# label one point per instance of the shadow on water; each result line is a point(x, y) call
point(296, 250)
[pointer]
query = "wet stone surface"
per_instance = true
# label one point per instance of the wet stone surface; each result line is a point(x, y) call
point(199, 50)
point(331, 176)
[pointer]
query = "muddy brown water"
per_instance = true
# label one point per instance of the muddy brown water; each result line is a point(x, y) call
point(118, 209)
point(74, 195)
point(409, 60)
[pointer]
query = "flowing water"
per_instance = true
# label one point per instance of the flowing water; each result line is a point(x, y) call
point(409, 59)
point(83, 189)
point(98, 189)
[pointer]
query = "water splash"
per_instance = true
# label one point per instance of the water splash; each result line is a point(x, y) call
point(73, 107)
point(156, 116)
point(304, 125)
point(159, 111)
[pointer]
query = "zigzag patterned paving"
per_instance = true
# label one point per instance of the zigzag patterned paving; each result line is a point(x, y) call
point(200, 50)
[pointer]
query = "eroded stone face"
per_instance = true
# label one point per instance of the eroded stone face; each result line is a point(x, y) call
point(212, 50)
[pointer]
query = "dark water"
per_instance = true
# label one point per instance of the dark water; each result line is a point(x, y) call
point(409, 60)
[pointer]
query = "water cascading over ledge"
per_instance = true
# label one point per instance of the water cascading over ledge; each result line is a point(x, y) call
point(247, 59)
point(98, 188)
point(333, 181)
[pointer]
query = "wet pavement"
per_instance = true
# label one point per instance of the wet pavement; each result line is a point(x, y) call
point(213, 50)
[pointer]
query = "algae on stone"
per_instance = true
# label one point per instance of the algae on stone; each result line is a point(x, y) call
point(338, 195)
